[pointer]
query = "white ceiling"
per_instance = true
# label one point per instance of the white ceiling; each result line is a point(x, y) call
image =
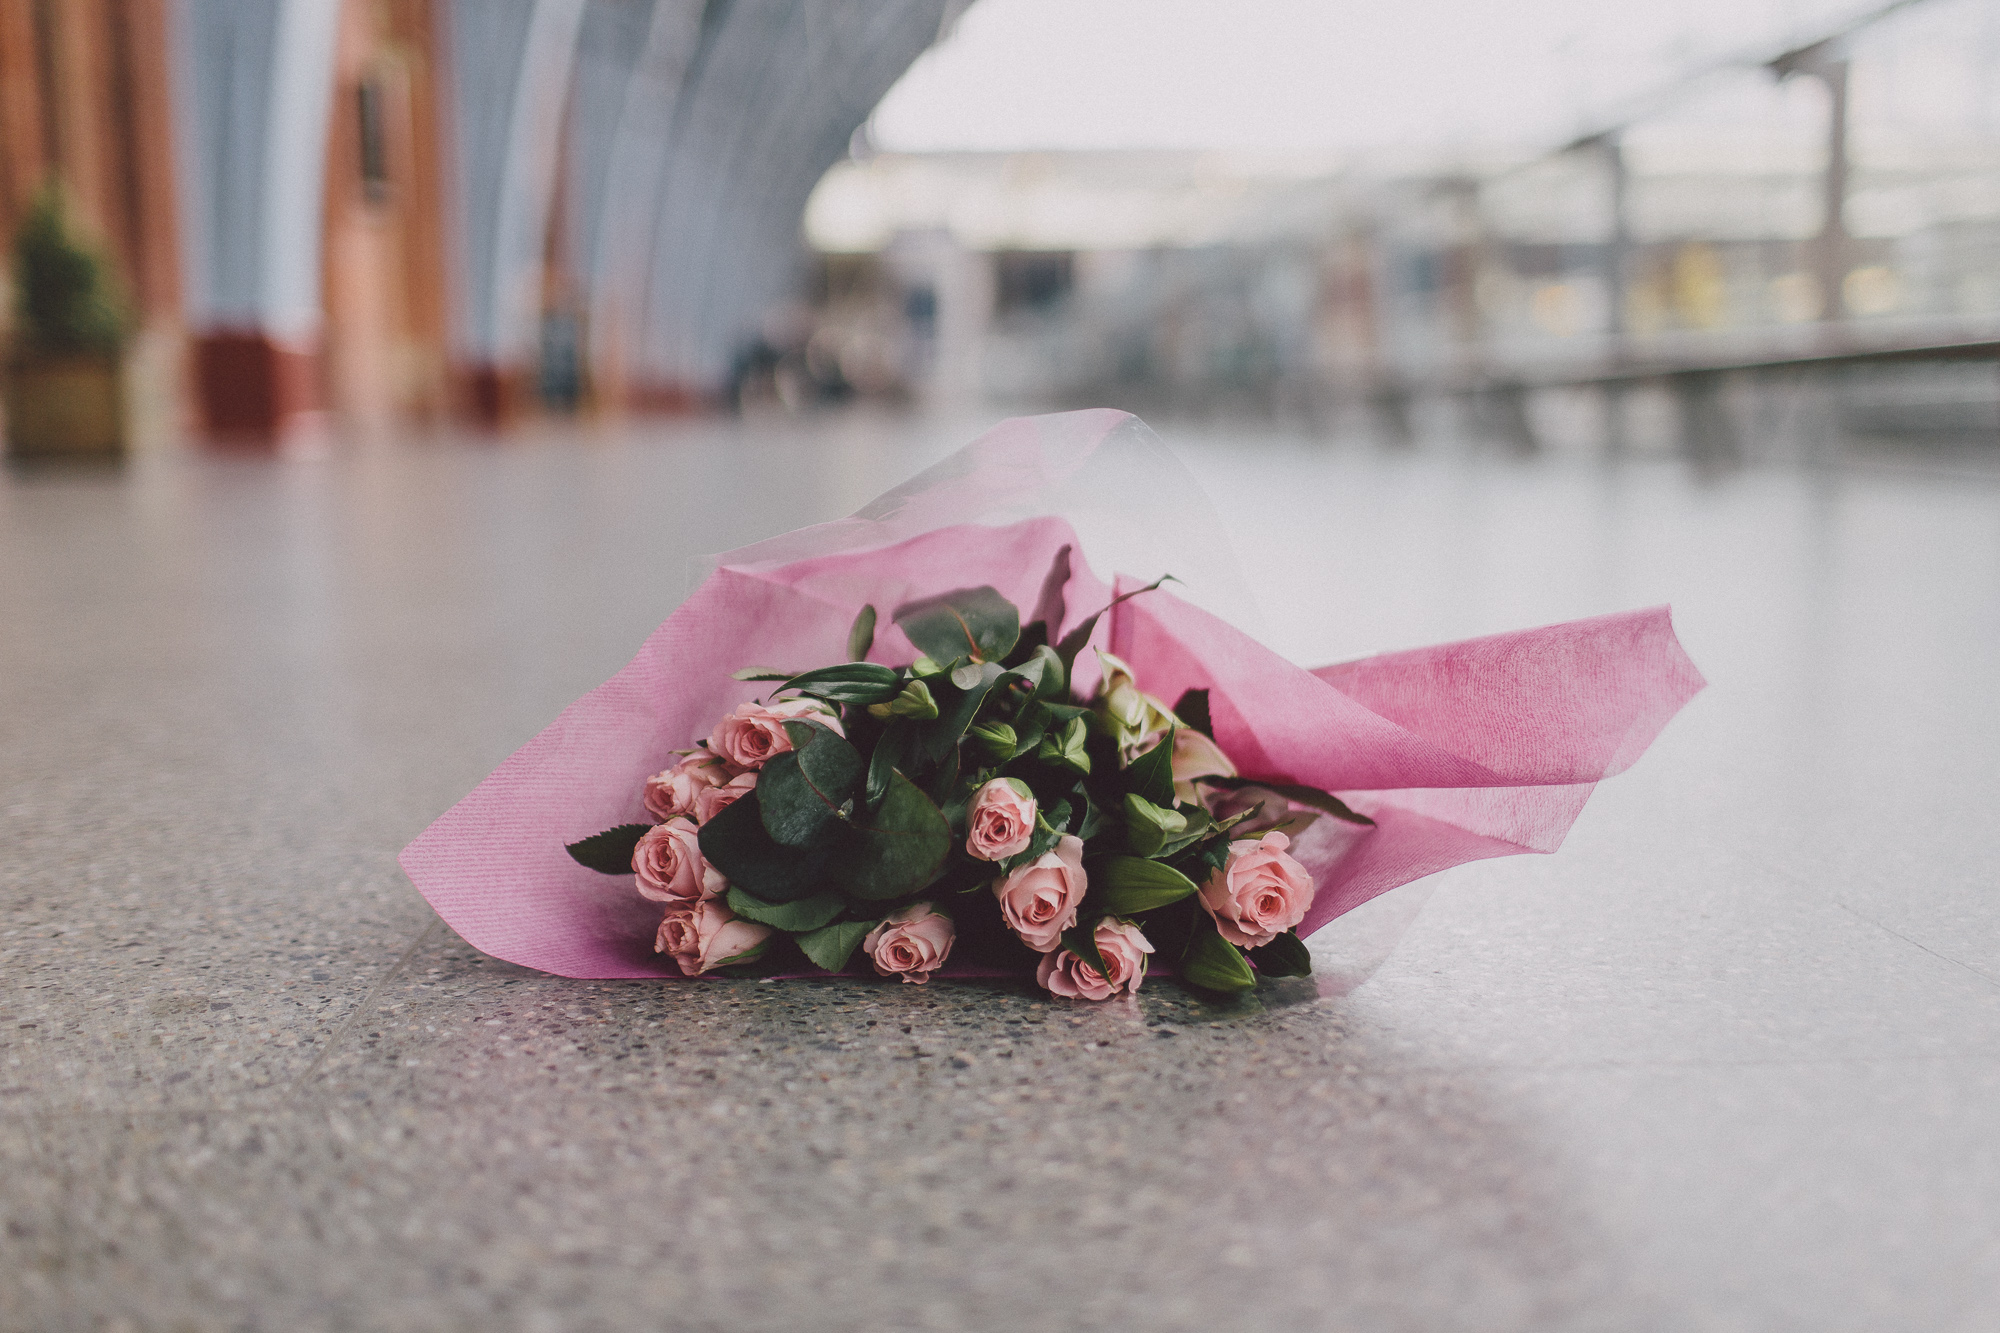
point(1313, 74)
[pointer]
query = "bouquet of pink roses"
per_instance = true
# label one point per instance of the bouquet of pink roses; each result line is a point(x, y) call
point(980, 790)
point(970, 800)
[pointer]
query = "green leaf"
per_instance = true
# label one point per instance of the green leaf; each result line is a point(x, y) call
point(1048, 831)
point(803, 789)
point(1200, 824)
point(955, 715)
point(1132, 884)
point(1193, 710)
point(830, 947)
point(761, 673)
point(1081, 940)
point(1073, 642)
point(609, 852)
point(804, 914)
point(1285, 956)
point(1034, 636)
point(915, 703)
point(1291, 791)
point(967, 674)
point(891, 752)
point(862, 636)
point(1054, 676)
point(736, 844)
point(850, 683)
point(1213, 963)
point(1152, 773)
point(970, 622)
point(996, 740)
point(895, 850)
point(1067, 747)
point(1148, 827)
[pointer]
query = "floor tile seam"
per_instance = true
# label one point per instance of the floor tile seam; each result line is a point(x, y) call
point(285, 1103)
point(1662, 1066)
point(1786, 872)
point(297, 1090)
point(1992, 981)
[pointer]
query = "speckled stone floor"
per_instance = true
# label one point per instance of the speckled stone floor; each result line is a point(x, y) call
point(1731, 1060)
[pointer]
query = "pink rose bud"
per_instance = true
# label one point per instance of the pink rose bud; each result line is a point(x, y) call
point(1000, 821)
point(670, 866)
point(713, 801)
point(672, 794)
point(911, 943)
point(705, 934)
point(755, 732)
point(1260, 894)
point(1039, 900)
point(1124, 949)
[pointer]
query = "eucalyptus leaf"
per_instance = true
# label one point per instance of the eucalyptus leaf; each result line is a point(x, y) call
point(609, 852)
point(735, 843)
point(830, 947)
point(966, 675)
point(896, 849)
point(802, 790)
point(804, 914)
point(1133, 884)
point(976, 623)
point(1213, 963)
point(1291, 791)
point(1285, 956)
point(861, 637)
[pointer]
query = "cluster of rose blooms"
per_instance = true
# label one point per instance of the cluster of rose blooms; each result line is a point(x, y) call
point(1089, 834)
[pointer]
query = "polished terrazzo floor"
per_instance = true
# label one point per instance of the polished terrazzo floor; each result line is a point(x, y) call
point(1731, 1060)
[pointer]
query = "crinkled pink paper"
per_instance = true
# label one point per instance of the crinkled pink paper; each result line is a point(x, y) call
point(1468, 750)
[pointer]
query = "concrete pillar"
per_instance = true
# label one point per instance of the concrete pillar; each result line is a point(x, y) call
point(511, 65)
point(255, 82)
point(1827, 62)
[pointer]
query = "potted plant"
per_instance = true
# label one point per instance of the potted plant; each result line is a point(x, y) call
point(64, 390)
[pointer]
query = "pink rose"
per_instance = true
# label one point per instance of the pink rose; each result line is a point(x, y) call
point(705, 934)
point(1124, 949)
point(673, 793)
point(670, 866)
point(714, 800)
point(755, 732)
point(911, 943)
point(1001, 821)
point(1260, 894)
point(1039, 900)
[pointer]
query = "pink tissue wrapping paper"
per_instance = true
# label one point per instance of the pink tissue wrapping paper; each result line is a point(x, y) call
point(1488, 747)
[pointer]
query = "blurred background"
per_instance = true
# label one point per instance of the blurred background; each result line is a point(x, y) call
point(1724, 230)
